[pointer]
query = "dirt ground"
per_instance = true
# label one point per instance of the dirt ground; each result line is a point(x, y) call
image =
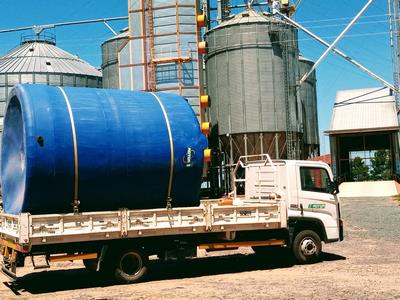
point(364, 266)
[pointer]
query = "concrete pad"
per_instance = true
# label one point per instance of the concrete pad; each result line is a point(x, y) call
point(397, 187)
point(368, 189)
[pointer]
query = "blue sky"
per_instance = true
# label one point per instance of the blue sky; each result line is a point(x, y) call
point(368, 41)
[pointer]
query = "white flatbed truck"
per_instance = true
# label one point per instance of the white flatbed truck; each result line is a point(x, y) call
point(287, 204)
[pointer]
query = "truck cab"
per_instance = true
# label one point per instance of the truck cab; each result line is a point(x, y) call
point(309, 192)
point(315, 199)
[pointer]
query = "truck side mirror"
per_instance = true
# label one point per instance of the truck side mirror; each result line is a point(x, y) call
point(333, 187)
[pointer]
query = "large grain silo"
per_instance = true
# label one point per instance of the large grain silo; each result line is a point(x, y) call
point(109, 64)
point(252, 69)
point(308, 96)
point(39, 60)
point(164, 49)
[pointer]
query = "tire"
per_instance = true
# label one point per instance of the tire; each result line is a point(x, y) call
point(131, 266)
point(91, 264)
point(307, 247)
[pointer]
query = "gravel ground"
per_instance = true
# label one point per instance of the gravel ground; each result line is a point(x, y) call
point(365, 266)
point(377, 218)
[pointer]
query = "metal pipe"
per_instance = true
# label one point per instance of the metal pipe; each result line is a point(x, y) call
point(63, 24)
point(206, 10)
point(277, 156)
point(296, 6)
point(333, 45)
point(219, 11)
point(338, 52)
point(109, 27)
point(393, 52)
point(396, 29)
point(391, 38)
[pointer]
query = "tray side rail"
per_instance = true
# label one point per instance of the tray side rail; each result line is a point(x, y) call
point(27, 229)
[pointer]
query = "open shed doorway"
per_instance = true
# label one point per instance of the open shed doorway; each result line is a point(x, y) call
point(363, 157)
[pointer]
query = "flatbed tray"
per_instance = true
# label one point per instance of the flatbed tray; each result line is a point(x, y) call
point(28, 230)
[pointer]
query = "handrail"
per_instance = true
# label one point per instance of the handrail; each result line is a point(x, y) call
point(243, 162)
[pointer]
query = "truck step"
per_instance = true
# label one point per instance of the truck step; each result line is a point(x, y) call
point(41, 266)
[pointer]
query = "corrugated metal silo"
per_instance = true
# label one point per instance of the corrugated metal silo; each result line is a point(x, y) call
point(38, 60)
point(251, 79)
point(109, 64)
point(308, 96)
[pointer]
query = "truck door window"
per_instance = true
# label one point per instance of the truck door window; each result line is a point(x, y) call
point(314, 179)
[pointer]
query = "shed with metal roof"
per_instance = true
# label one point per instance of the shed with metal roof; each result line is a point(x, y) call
point(364, 135)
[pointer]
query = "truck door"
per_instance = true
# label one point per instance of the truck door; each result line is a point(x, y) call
point(315, 198)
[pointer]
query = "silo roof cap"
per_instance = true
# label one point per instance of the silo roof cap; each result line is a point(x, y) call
point(123, 34)
point(303, 58)
point(42, 57)
point(248, 16)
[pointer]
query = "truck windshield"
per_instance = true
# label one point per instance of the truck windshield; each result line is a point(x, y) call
point(314, 179)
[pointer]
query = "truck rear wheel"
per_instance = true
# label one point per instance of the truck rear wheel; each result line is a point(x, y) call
point(131, 266)
point(307, 247)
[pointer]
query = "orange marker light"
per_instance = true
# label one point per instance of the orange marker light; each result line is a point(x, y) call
point(202, 47)
point(201, 20)
point(204, 101)
point(206, 128)
point(207, 155)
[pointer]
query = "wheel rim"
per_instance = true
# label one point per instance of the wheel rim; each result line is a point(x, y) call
point(308, 246)
point(131, 263)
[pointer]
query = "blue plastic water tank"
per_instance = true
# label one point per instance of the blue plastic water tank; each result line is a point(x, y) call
point(109, 149)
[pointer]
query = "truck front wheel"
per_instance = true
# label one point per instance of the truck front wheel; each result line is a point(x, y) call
point(131, 266)
point(307, 247)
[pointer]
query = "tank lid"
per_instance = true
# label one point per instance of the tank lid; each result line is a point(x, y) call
point(248, 16)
